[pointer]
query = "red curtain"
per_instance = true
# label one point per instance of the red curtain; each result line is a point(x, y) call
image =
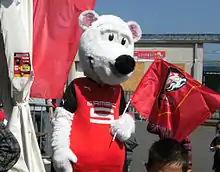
point(55, 42)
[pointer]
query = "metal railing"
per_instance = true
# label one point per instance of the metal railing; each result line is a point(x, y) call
point(43, 131)
point(128, 94)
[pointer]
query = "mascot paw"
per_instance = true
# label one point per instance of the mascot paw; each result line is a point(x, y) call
point(123, 127)
point(63, 159)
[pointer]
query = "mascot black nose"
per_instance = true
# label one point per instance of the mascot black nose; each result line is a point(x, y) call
point(124, 64)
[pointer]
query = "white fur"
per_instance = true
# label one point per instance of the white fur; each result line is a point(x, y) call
point(123, 127)
point(60, 142)
point(5, 122)
point(94, 43)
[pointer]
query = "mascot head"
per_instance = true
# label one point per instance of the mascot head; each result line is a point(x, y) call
point(106, 47)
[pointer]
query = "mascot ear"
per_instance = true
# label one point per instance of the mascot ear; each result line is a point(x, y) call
point(135, 30)
point(86, 18)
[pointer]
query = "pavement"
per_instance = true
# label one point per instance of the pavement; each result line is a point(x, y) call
point(201, 138)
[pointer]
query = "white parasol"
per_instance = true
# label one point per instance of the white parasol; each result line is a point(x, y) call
point(17, 29)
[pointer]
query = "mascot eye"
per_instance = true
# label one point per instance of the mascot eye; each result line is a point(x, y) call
point(123, 41)
point(111, 37)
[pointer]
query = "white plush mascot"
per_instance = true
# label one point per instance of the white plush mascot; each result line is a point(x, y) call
point(92, 108)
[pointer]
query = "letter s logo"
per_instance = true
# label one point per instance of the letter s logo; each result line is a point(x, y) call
point(97, 116)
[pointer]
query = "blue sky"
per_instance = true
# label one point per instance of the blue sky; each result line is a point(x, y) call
point(168, 16)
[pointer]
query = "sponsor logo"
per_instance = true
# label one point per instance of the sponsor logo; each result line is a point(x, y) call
point(101, 112)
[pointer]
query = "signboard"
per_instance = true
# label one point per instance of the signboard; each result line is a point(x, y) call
point(149, 55)
point(22, 65)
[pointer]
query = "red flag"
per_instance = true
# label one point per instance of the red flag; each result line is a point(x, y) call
point(56, 37)
point(170, 97)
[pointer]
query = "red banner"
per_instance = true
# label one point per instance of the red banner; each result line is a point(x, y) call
point(150, 55)
point(55, 39)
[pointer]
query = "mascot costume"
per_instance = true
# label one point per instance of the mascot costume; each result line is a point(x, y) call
point(92, 110)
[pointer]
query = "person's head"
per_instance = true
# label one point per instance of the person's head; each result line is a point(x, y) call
point(167, 155)
point(218, 127)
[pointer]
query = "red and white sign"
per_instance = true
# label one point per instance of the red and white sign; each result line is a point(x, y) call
point(22, 65)
point(150, 55)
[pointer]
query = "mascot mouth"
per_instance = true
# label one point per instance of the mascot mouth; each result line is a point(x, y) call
point(114, 71)
point(123, 65)
point(91, 62)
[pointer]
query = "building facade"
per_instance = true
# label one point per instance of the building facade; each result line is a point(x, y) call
point(183, 50)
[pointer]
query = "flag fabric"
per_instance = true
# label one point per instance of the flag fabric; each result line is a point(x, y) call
point(55, 43)
point(170, 97)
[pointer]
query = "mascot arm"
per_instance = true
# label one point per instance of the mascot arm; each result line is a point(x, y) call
point(125, 125)
point(130, 143)
point(60, 141)
point(162, 132)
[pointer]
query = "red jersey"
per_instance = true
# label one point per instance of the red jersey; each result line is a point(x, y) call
point(90, 137)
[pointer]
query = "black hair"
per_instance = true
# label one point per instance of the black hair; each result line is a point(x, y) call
point(167, 151)
point(217, 126)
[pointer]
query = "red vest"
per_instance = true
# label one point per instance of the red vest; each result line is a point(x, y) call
point(90, 137)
